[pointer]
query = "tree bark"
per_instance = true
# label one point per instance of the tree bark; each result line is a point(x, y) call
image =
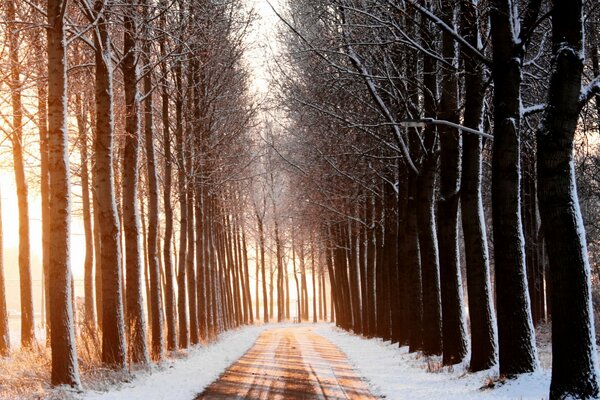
point(136, 320)
point(114, 349)
point(483, 330)
point(516, 339)
point(574, 360)
point(65, 369)
point(4, 330)
point(170, 307)
point(13, 38)
point(153, 195)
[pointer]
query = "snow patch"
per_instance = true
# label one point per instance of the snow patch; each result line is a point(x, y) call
point(393, 373)
point(184, 378)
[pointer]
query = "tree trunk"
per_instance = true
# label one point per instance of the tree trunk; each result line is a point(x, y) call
point(574, 359)
point(45, 197)
point(90, 310)
point(516, 339)
point(181, 179)
point(136, 320)
point(428, 241)
point(413, 283)
point(314, 285)
point(114, 349)
point(170, 308)
point(27, 324)
point(4, 332)
point(189, 263)
point(65, 370)
point(481, 312)
point(261, 241)
point(201, 262)
point(153, 195)
point(453, 319)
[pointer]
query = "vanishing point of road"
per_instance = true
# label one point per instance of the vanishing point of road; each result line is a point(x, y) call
point(290, 363)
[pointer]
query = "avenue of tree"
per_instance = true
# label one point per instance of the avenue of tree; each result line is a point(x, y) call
point(205, 209)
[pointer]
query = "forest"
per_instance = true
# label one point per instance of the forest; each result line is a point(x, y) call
point(423, 174)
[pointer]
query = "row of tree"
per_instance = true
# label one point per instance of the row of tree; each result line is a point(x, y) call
point(402, 205)
point(147, 106)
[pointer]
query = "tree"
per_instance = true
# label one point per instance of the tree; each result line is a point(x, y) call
point(13, 38)
point(136, 320)
point(65, 369)
point(574, 360)
point(481, 312)
point(516, 339)
point(153, 193)
point(114, 350)
point(4, 332)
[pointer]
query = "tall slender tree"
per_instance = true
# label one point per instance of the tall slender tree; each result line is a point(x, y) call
point(65, 368)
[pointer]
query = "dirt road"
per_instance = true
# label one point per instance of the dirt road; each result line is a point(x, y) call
point(289, 363)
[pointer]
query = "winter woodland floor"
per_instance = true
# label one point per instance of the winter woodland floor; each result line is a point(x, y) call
point(318, 361)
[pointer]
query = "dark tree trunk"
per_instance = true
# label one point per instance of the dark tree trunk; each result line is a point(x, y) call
point(574, 359)
point(481, 312)
point(370, 267)
point(453, 319)
point(354, 280)
point(413, 282)
point(516, 339)
point(428, 246)
point(428, 241)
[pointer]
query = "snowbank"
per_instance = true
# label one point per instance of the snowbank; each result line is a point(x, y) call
point(395, 374)
point(186, 377)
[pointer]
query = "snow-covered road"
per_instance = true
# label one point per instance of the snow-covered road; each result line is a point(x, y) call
point(290, 363)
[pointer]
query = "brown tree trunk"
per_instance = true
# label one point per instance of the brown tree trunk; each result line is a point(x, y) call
point(4, 331)
point(181, 179)
point(314, 284)
point(247, 278)
point(45, 198)
point(153, 195)
point(65, 370)
point(170, 307)
point(261, 242)
point(13, 38)
point(114, 349)
point(135, 317)
point(201, 262)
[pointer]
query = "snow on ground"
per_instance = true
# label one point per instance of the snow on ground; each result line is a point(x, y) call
point(393, 373)
point(187, 377)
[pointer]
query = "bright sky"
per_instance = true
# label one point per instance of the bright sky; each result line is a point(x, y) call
point(262, 42)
